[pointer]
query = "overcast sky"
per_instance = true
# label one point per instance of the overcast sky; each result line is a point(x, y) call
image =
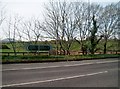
point(28, 8)
point(34, 8)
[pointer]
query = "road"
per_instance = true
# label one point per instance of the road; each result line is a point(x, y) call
point(88, 73)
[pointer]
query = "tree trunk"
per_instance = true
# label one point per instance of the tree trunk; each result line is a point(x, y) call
point(105, 46)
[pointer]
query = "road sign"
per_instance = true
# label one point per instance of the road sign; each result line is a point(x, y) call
point(39, 48)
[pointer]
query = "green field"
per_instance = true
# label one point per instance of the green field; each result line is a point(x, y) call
point(111, 45)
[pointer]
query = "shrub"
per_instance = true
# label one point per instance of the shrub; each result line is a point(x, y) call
point(4, 47)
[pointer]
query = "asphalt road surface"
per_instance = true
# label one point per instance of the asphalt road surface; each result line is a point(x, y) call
point(89, 73)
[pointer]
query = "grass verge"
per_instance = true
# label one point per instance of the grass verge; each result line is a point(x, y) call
point(53, 58)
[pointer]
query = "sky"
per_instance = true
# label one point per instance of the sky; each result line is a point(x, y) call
point(29, 8)
point(34, 8)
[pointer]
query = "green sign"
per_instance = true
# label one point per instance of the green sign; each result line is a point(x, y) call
point(39, 48)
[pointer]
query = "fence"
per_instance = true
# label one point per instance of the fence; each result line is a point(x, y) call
point(25, 53)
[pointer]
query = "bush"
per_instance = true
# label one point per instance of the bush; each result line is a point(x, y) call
point(4, 47)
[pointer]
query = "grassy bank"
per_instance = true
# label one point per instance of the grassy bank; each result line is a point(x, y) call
point(46, 58)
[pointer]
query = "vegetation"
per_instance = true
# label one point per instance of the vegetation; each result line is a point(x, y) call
point(79, 27)
point(20, 58)
point(112, 45)
point(24, 59)
point(4, 47)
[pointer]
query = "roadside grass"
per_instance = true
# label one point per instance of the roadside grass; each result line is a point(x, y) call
point(53, 58)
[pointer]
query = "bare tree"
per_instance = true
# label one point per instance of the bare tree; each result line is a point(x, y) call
point(85, 23)
point(118, 25)
point(51, 26)
point(82, 18)
point(67, 25)
point(2, 13)
point(31, 30)
point(60, 24)
point(64, 20)
point(109, 22)
point(11, 32)
point(37, 31)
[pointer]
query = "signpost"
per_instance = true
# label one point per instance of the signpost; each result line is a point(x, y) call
point(39, 48)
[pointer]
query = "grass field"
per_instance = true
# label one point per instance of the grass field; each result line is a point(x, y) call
point(111, 45)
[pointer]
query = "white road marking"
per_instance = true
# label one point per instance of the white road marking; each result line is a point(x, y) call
point(59, 66)
point(52, 80)
point(106, 61)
